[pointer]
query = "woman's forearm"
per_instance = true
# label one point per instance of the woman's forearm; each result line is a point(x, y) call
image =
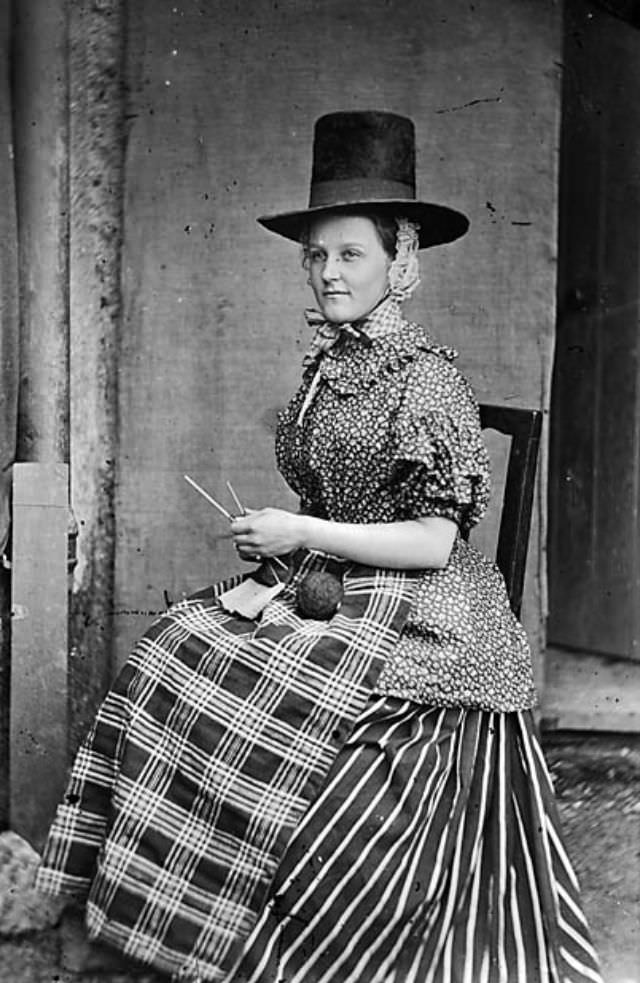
point(413, 544)
point(408, 545)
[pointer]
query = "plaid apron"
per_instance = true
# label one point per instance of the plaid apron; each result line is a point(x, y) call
point(204, 758)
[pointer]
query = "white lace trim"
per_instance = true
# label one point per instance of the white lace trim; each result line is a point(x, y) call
point(404, 272)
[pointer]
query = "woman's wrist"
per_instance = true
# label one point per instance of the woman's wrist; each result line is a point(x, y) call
point(328, 536)
point(304, 531)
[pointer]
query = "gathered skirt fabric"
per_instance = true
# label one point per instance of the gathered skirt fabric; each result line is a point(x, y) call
point(432, 854)
point(244, 810)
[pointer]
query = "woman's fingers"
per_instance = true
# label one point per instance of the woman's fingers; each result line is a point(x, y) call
point(246, 541)
point(249, 557)
point(247, 529)
point(243, 524)
point(248, 550)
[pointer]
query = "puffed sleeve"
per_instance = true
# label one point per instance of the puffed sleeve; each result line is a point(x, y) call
point(441, 463)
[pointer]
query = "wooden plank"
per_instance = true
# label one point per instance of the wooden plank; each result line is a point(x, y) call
point(570, 718)
point(5, 681)
point(594, 528)
point(590, 692)
point(38, 707)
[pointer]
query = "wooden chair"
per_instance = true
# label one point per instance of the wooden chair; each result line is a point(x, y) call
point(524, 427)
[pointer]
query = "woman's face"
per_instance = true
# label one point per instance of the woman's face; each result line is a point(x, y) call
point(348, 266)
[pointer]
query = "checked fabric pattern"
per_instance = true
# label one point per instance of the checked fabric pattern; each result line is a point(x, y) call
point(203, 760)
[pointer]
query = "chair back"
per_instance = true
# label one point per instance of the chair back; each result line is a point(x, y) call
point(523, 427)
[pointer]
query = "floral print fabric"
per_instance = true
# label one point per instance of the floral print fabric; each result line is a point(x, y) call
point(393, 433)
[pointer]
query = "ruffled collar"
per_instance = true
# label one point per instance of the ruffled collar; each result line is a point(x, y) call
point(358, 355)
point(383, 319)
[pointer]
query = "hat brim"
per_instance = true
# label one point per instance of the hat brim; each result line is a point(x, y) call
point(439, 224)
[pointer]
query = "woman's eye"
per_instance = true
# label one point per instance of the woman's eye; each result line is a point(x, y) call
point(350, 254)
point(316, 255)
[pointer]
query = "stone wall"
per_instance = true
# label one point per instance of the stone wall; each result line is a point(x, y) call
point(42, 939)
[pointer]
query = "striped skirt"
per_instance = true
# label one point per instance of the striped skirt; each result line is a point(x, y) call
point(431, 855)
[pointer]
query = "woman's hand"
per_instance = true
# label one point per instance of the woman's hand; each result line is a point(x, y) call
point(267, 532)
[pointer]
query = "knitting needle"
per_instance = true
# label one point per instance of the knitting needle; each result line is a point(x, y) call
point(208, 497)
point(237, 501)
point(226, 514)
point(243, 511)
point(276, 559)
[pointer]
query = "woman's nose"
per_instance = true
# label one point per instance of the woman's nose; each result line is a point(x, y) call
point(330, 270)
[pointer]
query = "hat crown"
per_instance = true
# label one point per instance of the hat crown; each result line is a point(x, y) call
point(364, 144)
point(368, 149)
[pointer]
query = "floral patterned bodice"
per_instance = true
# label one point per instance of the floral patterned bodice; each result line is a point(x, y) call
point(392, 432)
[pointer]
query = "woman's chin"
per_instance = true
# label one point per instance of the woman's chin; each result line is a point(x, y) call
point(337, 313)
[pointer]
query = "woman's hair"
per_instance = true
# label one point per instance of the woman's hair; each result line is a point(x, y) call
point(384, 223)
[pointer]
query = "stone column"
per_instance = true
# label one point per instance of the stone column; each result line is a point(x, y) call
point(97, 101)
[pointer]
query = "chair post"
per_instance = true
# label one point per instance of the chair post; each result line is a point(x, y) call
point(524, 428)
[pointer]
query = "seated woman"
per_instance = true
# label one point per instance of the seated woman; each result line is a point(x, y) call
point(361, 796)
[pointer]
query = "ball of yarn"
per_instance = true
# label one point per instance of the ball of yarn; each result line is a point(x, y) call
point(319, 595)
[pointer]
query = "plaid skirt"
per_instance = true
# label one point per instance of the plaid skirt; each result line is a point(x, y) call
point(243, 810)
point(203, 759)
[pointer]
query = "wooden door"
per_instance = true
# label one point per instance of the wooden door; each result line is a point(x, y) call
point(594, 529)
